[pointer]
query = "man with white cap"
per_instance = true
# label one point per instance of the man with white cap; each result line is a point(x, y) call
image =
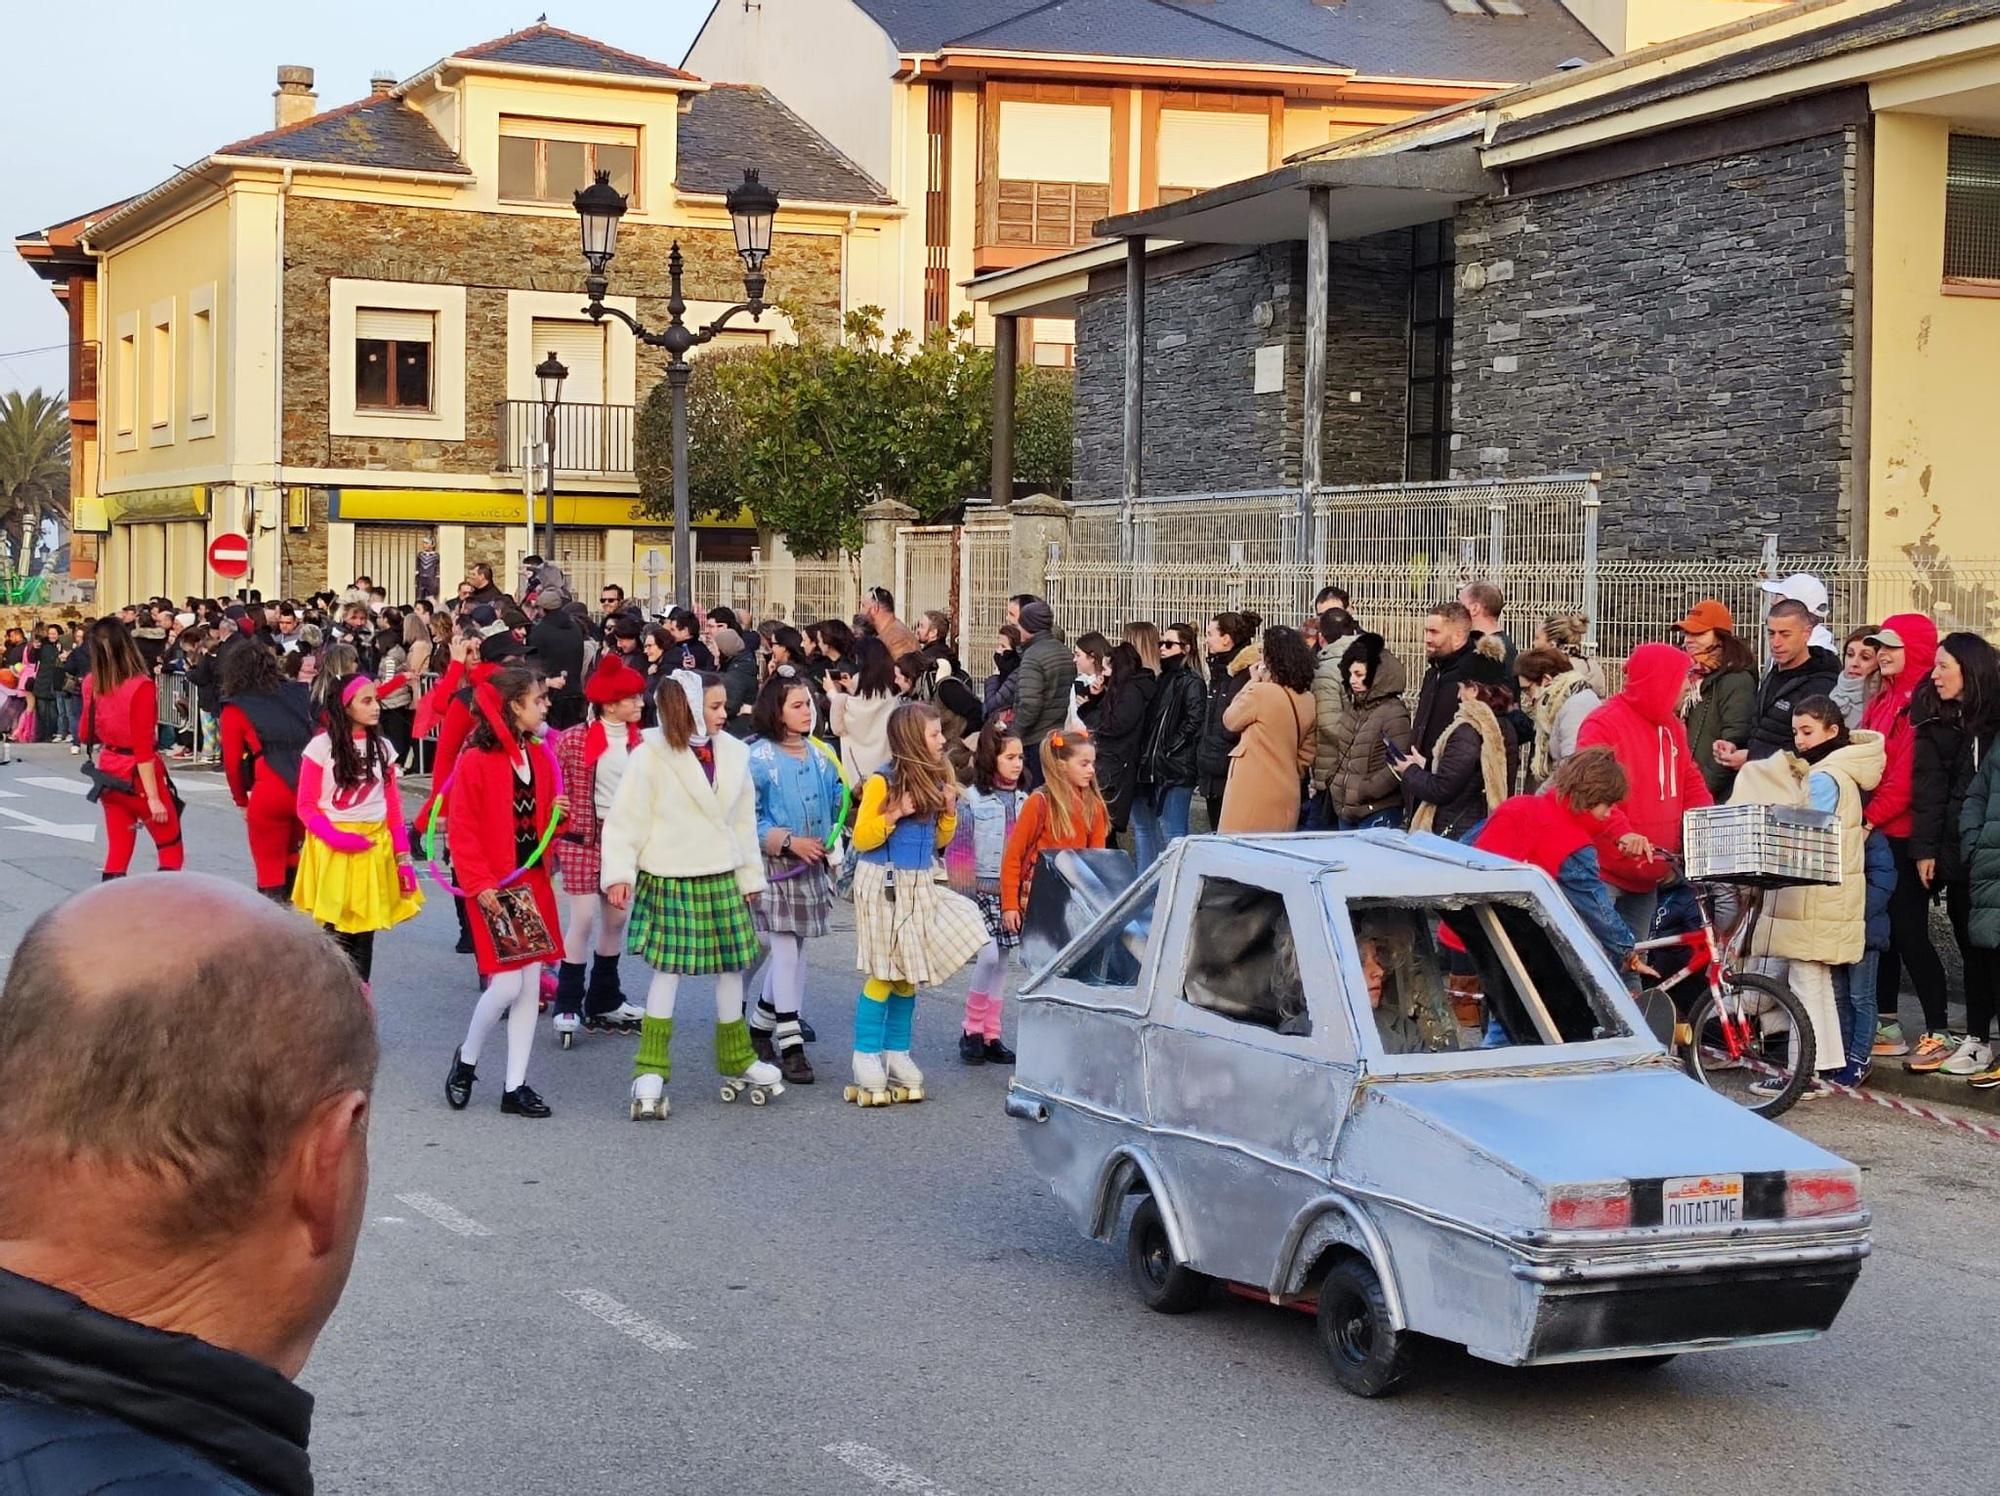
point(1804, 587)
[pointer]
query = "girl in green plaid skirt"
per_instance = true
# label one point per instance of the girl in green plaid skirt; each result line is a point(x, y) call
point(680, 851)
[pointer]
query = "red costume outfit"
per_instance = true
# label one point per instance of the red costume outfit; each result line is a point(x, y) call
point(1642, 728)
point(123, 726)
point(263, 737)
point(493, 818)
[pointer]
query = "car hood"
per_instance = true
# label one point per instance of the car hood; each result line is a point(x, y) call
point(1646, 1123)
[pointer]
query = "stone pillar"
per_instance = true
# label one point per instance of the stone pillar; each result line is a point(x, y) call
point(878, 542)
point(1033, 524)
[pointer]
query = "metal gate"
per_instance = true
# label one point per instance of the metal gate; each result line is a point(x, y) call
point(387, 555)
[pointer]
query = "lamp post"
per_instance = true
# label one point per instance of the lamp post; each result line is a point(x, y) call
point(752, 208)
point(551, 373)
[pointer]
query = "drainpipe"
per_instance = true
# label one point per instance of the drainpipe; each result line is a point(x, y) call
point(278, 382)
point(846, 248)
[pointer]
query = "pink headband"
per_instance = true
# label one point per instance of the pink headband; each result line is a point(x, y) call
point(354, 688)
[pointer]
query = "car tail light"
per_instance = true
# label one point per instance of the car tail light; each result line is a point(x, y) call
point(1591, 1207)
point(1821, 1192)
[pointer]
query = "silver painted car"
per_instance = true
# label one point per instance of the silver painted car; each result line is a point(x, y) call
point(1258, 1040)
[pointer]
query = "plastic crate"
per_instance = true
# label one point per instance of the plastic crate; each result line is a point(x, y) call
point(1772, 846)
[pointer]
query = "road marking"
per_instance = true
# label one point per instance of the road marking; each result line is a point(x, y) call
point(444, 1215)
point(655, 1337)
point(85, 832)
point(885, 1472)
point(61, 786)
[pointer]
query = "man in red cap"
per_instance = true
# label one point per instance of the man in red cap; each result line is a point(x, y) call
point(593, 755)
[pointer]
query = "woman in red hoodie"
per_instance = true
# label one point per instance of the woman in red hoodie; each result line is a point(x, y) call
point(121, 716)
point(1642, 727)
point(1905, 649)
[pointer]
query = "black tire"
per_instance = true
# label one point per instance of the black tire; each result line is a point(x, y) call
point(1796, 1043)
point(1166, 1285)
point(1368, 1354)
point(1649, 1363)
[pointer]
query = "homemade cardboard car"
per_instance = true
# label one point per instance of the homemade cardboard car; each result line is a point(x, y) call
point(1256, 1040)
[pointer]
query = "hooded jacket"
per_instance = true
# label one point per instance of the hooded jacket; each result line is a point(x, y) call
point(1722, 707)
point(1354, 766)
point(1042, 685)
point(1828, 922)
point(1888, 809)
point(1641, 727)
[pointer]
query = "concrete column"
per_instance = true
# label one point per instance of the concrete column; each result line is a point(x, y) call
point(339, 558)
point(520, 541)
point(1135, 367)
point(451, 560)
point(1034, 524)
point(781, 585)
point(1313, 408)
point(619, 565)
point(1006, 355)
point(878, 542)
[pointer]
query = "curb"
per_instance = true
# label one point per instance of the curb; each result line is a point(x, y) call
point(1892, 1079)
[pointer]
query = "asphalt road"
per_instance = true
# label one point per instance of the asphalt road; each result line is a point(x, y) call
point(812, 1298)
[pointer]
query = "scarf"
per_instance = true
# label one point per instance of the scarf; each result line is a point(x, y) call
point(1549, 702)
point(1479, 717)
point(596, 741)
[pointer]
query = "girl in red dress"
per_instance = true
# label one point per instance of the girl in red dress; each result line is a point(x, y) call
point(501, 798)
point(121, 716)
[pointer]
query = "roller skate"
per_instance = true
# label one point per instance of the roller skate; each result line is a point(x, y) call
point(623, 1019)
point(871, 1082)
point(605, 1010)
point(649, 1098)
point(566, 1026)
point(760, 1082)
point(906, 1081)
point(792, 1061)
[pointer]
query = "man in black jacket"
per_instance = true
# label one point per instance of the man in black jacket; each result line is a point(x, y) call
point(183, 1171)
point(1798, 669)
point(557, 640)
point(1448, 641)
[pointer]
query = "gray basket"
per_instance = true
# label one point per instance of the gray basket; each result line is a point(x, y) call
point(1772, 846)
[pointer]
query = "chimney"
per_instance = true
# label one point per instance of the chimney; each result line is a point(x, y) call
point(381, 85)
point(295, 97)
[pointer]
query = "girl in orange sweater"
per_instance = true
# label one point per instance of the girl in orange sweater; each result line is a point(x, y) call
point(1066, 812)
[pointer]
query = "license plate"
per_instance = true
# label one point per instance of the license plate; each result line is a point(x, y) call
point(1702, 1200)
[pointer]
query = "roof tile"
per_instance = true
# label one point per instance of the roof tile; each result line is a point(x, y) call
point(738, 125)
point(369, 132)
point(546, 46)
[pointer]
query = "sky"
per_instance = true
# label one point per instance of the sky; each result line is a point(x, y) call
point(152, 88)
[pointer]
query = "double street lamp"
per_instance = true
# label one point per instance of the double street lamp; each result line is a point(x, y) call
point(752, 209)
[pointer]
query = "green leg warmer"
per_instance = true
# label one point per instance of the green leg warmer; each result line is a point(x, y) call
point(656, 1037)
point(733, 1054)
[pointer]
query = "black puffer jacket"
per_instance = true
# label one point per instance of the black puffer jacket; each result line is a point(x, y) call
point(1947, 757)
point(1780, 690)
point(1118, 721)
point(1437, 700)
point(1979, 851)
point(1173, 728)
point(1217, 741)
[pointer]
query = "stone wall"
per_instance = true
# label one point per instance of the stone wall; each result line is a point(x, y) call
point(491, 254)
point(1206, 426)
point(1689, 332)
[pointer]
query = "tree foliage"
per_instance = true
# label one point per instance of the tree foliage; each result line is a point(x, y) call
point(34, 470)
point(807, 436)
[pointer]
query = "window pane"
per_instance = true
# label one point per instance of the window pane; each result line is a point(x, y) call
point(565, 169)
point(413, 375)
point(1424, 243)
point(1423, 351)
point(1242, 962)
point(371, 372)
point(618, 160)
point(1420, 463)
point(517, 167)
point(1424, 295)
point(1972, 208)
point(1423, 406)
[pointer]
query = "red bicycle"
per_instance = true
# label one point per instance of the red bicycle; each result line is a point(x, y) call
point(1742, 1034)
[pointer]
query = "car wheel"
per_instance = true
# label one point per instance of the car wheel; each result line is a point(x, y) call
point(1368, 1354)
point(1165, 1284)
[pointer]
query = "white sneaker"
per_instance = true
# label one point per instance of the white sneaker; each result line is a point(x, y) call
point(1971, 1057)
point(75, 747)
point(763, 1073)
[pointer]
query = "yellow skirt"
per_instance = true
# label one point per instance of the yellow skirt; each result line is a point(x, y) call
point(353, 891)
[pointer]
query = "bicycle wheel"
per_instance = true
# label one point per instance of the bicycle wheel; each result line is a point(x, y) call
point(1752, 1043)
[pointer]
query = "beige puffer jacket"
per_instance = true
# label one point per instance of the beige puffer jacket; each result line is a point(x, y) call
point(1826, 923)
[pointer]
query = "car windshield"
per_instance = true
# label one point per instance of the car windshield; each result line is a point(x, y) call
point(1461, 974)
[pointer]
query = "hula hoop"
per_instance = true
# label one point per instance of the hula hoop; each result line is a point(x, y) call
point(438, 872)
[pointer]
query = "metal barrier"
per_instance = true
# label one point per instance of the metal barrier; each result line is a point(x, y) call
point(188, 726)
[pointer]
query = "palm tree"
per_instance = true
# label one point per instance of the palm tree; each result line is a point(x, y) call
point(34, 469)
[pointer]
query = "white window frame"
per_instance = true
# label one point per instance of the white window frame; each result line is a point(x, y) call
point(201, 355)
point(160, 432)
point(590, 134)
point(125, 383)
point(445, 420)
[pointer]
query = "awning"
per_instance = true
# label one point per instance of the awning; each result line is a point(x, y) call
point(145, 505)
point(498, 507)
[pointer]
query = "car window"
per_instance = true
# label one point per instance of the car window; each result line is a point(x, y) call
point(1466, 974)
point(1242, 961)
point(1115, 957)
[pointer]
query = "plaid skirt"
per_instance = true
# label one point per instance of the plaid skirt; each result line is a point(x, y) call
point(988, 900)
point(797, 904)
point(695, 926)
point(922, 935)
point(579, 863)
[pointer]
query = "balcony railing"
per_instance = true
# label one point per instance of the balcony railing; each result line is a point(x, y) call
point(1041, 215)
point(594, 439)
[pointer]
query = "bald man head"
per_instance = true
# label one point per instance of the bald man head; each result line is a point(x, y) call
point(186, 1071)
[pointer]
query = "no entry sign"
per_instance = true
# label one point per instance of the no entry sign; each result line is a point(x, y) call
point(229, 555)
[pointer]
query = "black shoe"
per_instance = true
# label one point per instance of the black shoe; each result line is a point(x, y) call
point(523, 1102)
point(998, 1053)
point(458, 1083)
point(464, 946)
point(806, 1031)
point(798, 1070)
point(761, 1045)
point(971, 1049)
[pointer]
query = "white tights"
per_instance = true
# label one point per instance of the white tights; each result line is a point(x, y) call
point(580, 911)
point(989, 971)
point(666, 985)
point(517, 994)
point(785, 975)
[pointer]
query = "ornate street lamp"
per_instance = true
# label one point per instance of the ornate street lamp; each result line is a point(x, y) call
point(752, 209)
point(550, 373)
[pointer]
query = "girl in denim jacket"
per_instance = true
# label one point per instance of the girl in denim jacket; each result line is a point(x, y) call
point(992, 802)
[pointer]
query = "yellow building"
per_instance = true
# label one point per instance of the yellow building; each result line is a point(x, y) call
point(324, 336)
